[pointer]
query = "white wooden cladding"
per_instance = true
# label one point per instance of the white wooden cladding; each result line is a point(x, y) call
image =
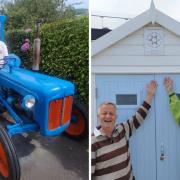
point(138, 39)
point(128, 55)
point(137, 61)
point(119, 33)
point(138, 50)
point(135, 69)
point(134, 45)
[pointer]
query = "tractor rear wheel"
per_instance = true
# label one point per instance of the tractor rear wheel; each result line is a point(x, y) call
point(78, 128)
point(9, 163)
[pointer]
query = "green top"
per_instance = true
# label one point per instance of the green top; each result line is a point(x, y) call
point(174, 103)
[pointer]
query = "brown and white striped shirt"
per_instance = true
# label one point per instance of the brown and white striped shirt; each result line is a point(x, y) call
point(111, 156)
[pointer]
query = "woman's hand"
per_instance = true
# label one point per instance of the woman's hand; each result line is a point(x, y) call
point(168, 83)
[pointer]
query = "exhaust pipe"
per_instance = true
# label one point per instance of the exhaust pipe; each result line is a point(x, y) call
point(36, 49)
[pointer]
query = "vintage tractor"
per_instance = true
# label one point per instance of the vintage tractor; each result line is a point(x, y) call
point(36, 102)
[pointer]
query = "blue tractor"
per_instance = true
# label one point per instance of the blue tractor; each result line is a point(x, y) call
point(36, 102)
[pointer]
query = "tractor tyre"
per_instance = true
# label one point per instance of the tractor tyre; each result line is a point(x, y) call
point(79, 127)
point(9, 163)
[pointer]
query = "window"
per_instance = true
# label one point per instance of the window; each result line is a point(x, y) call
point(126, 99)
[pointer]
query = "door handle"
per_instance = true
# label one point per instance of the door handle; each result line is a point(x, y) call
point(162, 156)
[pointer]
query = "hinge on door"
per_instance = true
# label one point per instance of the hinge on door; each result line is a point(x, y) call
point(96, 92)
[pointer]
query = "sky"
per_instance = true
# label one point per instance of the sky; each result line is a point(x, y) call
point(79, 3)
point(129, 8)
point(135, 7)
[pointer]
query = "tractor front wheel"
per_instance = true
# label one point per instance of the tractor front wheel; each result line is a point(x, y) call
point(9, 163)
point(78, 127)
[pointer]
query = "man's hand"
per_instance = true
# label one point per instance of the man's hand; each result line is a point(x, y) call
point(168, 83)
point(151, 90)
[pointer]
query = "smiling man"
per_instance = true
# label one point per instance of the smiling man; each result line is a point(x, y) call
point(110, 142)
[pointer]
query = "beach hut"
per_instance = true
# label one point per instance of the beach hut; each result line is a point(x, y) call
point(123, 61)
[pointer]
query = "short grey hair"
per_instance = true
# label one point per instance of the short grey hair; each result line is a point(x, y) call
point(106, 103)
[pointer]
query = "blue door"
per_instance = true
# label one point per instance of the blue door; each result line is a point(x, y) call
point(131, 88)
point(155, 147)
point(167, 133)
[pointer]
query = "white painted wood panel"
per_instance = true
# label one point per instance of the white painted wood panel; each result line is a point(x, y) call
point(131, 40)
point(124, 50)
point(141, 30)
point(137, 61)
point(138, 50)
point(168, 22)
point(169, 39)
point(121, 32)
point(172, 50)
point(133, 44)
point(135, 69)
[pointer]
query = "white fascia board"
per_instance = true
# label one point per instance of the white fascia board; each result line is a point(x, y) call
point(168, 22)
point(135, 69)
point(119, 33)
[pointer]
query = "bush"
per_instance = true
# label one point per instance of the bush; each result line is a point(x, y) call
point(64, 51)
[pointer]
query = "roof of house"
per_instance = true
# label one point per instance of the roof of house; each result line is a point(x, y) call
point(97, 33)
point(152, 15)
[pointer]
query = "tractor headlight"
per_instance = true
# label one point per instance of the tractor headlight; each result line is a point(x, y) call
point(28, 102)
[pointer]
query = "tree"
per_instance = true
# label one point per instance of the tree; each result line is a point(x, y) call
point(2, 4)
point(23, 14)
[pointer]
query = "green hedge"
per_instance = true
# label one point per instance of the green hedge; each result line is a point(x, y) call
point(14, 41)
point(64, 51)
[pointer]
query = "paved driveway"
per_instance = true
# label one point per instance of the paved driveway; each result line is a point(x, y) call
point(51, 158)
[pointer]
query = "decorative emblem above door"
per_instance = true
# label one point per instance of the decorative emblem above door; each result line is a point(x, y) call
point(153, 41)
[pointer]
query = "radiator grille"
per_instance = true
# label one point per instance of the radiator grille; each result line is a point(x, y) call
point(59, 112)
point(67, 109)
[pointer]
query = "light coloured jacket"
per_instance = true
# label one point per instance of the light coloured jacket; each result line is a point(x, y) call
point(174, 104)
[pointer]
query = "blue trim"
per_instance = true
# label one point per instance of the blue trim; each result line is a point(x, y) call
point(13, 60)
point(10, 110)
point(2, 23)
point(19, 128)
point(58, 130)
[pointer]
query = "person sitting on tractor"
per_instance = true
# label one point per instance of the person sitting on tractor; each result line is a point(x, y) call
point(3, 50)
point(3, 53)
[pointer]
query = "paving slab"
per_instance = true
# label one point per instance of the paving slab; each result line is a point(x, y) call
point(51, 158)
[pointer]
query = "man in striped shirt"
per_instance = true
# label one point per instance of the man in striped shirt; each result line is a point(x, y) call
point(110, 142)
